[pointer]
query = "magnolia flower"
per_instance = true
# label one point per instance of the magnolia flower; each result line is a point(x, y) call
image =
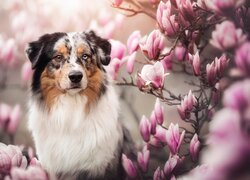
point(10, 118)
point(226, 36)
point(180, 53)
point(153, 44)
point(145, 128)
point(186, 106)
point(159, 111)
point(131, 62)
point(225, 6)
point(174, 139)
point(160, 134)
point(11, 156)
point(167, 61)
point(129, 166)
point(133, 42)
point(32, 172)
point(167, 21)
point(242, 58)
point(26, 72)
point(194, 147)
point(186, 8)
point(158, 174)
point(153, 122)
point(153, 74)
point(211, 73)
point(196, 64)
point(117, 49)
point(172, 163)
point(7, 53)
point(143, 159)
point(117, 3)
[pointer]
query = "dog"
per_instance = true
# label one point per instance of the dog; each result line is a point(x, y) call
point(74, 109)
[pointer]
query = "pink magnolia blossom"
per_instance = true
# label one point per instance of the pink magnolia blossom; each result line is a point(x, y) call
point(129, 166)
point(114, 67)
point(143, 159)
point(117, 3)
point(220, 65)
point(211, 73)
point(11, 156)
point(180, 53)
point(186, 105)
point(153, 74)
point(145, 128)
point(7, 53)
point(118, 49)
point(153, 122)
point(14, 120)
point(186, 8)
point(174, 139)
point(242, 58)
point(140, 83)
point(32, 172)
point(226, 36)
point(172, 163)
point(224, 7)
point(153, 44)
point(26, 71)
point(159, 111)
point(5, 111)
point(158, 174)
point(160, 134)
point(196, 64)
point(194, 147)
point(131, 62)
point(133, 42)
point(166, 20)
point(167, 61)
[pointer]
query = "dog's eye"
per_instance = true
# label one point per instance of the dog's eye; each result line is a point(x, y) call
point(85, 57)
point(58, 57)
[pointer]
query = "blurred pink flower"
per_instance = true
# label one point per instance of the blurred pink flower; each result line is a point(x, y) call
point(153, 74)
point(186, 106)
point(180, 53)
point(26, 72)
point(186, 9)
point(196, 64)
point(5, 111)
point(220, 65)
point(133, 42)
point(167, 61)
point(8, 52)
point(143, 159)
point(226, 36)
point(14, 120)
point(153, 122)
point(140, 83)
point(211, 73)
point(225, 6)
point(32, 172)
point(174, 139)
point(159, 111)
point(158, 174)
point(242, 58)
point(160, 134)
point(166, 20)
point(114, 67)
point(153, 44)
point(145, 128)
point(171, 165)
point(129, 166)
point(118, 49)
point(131, 62)
point(238, 96)
point(117, 2)
point(194, 148)
point(11, 156)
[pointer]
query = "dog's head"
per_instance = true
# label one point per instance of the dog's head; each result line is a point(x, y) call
point(68, 63)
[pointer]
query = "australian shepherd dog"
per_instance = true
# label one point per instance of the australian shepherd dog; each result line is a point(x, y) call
point(73, 109)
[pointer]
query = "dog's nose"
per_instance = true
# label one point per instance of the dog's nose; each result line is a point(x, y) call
point(75, 76)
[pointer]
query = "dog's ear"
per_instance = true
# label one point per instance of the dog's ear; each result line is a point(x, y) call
point(102, 45)
point(34, 51)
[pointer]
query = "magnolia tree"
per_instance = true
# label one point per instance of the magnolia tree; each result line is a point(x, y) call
point(205, 40)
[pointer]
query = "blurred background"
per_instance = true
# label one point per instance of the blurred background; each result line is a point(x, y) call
point(23, 21)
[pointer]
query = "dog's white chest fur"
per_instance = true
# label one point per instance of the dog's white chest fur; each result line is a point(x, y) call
point(68, 140)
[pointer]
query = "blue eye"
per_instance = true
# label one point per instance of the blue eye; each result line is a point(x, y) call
point(85, 57)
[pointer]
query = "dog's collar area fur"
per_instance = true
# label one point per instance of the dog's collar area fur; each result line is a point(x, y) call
point(77, 135)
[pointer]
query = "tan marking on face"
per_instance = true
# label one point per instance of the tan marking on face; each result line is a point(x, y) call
point(49, 88)
point(62, 49)
point(93, 90)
